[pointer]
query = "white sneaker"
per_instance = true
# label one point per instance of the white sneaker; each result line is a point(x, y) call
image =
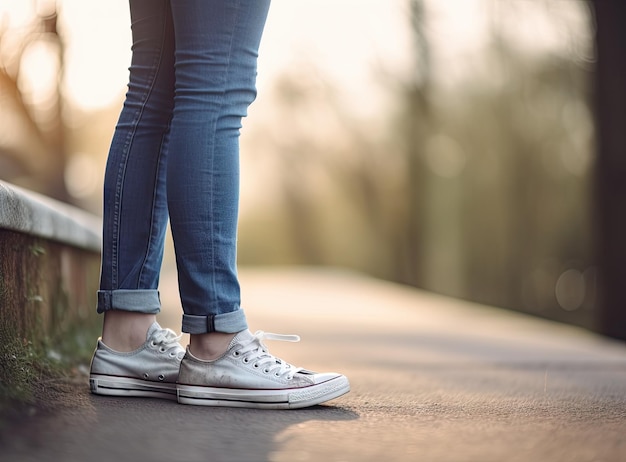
point(150, 371)
point(247, 375)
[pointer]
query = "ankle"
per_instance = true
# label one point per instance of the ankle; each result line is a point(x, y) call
point(126, 330)
point(210, 346)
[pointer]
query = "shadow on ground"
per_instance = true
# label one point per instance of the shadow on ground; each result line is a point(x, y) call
point(95, 428)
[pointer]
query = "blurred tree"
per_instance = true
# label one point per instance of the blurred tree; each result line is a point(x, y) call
point(416, 126)
point(611, 164)
point(477, 189)
point(526, 185)
point(297, 162)
point(32, 130)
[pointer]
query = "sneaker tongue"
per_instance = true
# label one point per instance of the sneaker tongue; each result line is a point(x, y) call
point(243, 337)
point(152, 329)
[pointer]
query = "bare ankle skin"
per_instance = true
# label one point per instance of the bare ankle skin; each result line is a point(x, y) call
point(126, 330)
point(209, 346)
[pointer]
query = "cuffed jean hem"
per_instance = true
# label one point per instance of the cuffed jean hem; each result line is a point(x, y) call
point(137, 300)
point(226, 322)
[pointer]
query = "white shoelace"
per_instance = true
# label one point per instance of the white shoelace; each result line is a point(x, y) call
point(256, 353)
point(169, 342)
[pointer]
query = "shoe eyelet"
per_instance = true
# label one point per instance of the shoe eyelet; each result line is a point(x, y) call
point(161, 377)
point(172, 355)
point(162, 350)
point(266, 371)
point(246, 360)
point(256, 365)
point(152, 344)
point(277, 374)
point(146, 376)
point(290, 377)
point(236, 353)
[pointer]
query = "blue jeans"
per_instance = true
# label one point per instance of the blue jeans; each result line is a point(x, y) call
point(175, 152)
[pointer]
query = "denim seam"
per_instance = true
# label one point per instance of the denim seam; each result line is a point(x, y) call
point(122, 175)
point(158, 169)
point(238, 11)
point(227, 70)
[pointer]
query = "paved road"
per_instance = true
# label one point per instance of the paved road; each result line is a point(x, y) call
point(433, 379)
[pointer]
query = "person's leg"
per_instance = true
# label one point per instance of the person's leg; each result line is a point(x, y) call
point(216, 55)
point(225, 365)
point(135, 356)
point(135, 210)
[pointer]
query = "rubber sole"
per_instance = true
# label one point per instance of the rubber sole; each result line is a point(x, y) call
point(125, 386)
point(292, 398)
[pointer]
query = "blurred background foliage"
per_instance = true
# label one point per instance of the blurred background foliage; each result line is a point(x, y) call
point(469, 175)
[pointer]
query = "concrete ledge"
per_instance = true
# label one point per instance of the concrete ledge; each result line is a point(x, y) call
point(49, 267)
point(36, 215)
